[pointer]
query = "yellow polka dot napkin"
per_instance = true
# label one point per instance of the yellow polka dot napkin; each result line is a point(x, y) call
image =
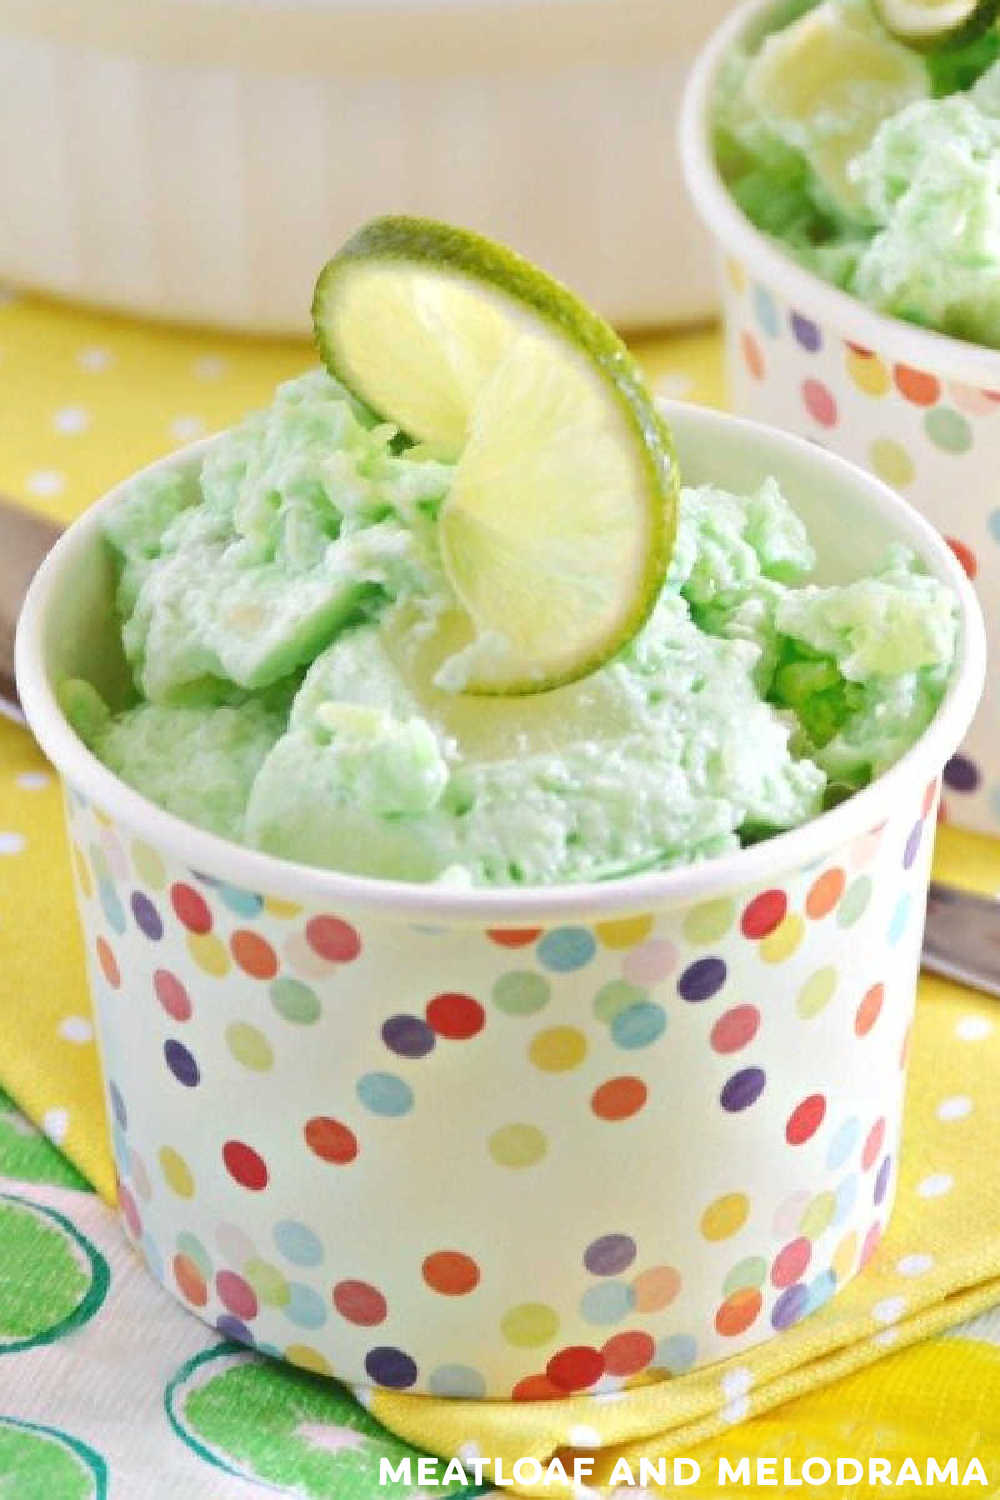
point(91, 397)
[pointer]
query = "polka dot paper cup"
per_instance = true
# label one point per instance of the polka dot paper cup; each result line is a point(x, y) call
point(507, 1143)
point(920, 410)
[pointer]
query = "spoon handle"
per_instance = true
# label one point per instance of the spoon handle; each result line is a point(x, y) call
point(962, 937)
point(25, 538)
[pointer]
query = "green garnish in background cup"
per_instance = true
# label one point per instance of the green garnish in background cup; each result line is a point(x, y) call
point(929, 23)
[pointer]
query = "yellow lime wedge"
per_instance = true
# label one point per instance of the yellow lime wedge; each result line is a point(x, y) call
point(827, 82)
point(557, 533)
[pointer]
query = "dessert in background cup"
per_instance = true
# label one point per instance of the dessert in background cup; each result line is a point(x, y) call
point(918, 407)
point(359, 1122)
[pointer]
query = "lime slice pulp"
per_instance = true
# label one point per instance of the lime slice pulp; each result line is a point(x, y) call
point(556, 535)
point(826, 83)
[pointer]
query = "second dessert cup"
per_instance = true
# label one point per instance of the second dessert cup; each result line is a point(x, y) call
point(919, 409)
point(519, 1142)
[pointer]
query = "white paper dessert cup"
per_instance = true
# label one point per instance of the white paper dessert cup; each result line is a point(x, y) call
point(917, 408)
point(518, 1142)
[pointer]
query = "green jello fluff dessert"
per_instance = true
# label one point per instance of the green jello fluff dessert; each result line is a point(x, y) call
point(869, 147)
point(285, 615)
point(469, 658)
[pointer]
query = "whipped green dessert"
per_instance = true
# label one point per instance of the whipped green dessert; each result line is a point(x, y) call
point(874, 161)
point(299, 659)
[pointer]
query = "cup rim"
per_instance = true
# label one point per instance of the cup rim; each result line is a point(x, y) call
point(907, 343)
point(527, 905)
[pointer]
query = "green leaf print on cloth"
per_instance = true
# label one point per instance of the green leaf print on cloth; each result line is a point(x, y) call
point(52, 1279)
point(26, 1155)
point(262, 1420)
point(40, 1463)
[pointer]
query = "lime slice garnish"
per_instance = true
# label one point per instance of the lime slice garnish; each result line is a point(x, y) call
point(827, 82)
point(557, 532)
point(925, 23)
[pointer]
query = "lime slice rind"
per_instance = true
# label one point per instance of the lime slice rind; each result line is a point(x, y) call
point(558, 530)
point(473, 256)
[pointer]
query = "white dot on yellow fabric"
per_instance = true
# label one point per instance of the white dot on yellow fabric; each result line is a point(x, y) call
point(936, 1185)
point(78, 1029)
point(209, 367)
point(94, 359)
point(886, 1337)
point(736, 1382)
point(34, 781)
point(735, 1387)
point(736, 1411)
point(55, 1123)
point(45, 482)
point(71, 420)
point(11, 843)
point(914, 1265)
point(582, 1436)
point(609, 1388)
point(187, 428)
point(958, 1107)
point(973, 1028)
point(889, 1310)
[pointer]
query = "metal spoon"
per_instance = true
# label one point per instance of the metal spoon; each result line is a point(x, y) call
point(962, 938)
point(24, 540)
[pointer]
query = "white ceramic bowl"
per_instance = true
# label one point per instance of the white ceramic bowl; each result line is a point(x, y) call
point(201, 159)
point(919, 409)
point(523, 1141)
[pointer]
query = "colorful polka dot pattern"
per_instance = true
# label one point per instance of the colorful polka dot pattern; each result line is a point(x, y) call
point(935, 439)
point(280, 1076)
